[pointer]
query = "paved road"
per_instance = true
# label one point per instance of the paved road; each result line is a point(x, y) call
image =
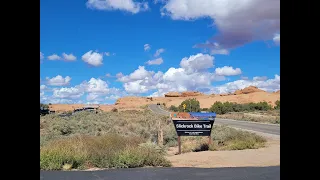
point(264, 128)
point(247, 173)
point(157, 109)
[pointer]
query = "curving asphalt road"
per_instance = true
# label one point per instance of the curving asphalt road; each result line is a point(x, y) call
point(247, 173)
point(259, 127)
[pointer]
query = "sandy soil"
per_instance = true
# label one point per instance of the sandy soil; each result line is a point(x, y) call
point(268, 156)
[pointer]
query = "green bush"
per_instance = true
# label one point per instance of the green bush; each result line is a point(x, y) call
point(223, 138)
point(218, 107)
point(226, 138)
point(192, 105)
point(223, 108)
point(173, 108)
point(170, 137)
point(45, 106)
point(277, 104)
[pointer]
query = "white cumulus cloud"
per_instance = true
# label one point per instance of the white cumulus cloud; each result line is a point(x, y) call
point(93, 58)
point(54, 57)
point(41, 57)
point(96, 86)
point(260, 78)
point(94, 90)
point(138, 74)
point(157, 61)
point(146, 47)
point(68, 93)
point(197, 63)
point(269, 85)
point(192, 74)
point(238, 22)
point(112, 97)
point(276, 39)
point(43, 87)
point(68, 57)
point(228, 71)
point(158, 52)
point(58, 80)
point(123, 5)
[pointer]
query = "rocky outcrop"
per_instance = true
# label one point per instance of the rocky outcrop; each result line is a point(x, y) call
point(173, 94)
point(191, 93)
point(184, 94)
point(225, 94)
point(248, 90)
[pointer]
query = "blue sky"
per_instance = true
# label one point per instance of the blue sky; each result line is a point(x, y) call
point(96, 51)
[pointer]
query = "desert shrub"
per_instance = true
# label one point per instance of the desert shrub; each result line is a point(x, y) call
point(45, 106)
point(223, 138)
point(262, 106)
point(272, 117)
point(170, 137)
point(173, 108)
point(277, 104)
point(218, 108)
point(226, 138)
point(192, 105)
point(205, 109)
point(127, 123)
point(114, 110)
point(223, 108)
point(104, 151)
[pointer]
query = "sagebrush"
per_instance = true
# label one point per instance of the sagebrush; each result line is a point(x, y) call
point(123, 139)
point(108, 151)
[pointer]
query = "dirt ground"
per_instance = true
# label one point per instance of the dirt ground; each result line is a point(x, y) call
point(268, 156)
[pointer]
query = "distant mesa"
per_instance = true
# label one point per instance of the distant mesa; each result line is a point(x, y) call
point(248, 90)
point(176, 98)
point(191, 93)
point(173, 94)
point(225, 94)
point(183, 94)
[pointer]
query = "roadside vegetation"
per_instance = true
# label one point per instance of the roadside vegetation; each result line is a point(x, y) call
point(257, 112)
point(103, 140)
point(125, 139)
point(45, 106)
point(223, 138)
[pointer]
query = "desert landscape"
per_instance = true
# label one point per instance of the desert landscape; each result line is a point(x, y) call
point(87, 140)
point(246, 95)
point(173, 89)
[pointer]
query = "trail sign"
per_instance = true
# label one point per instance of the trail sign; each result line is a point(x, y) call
point(184, 106)
point(193, 127)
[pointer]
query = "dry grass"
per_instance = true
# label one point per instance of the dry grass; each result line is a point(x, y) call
point(272, 116)
point(127, 123)
point(109, 151)
point(223, 138)
point(121, 140)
